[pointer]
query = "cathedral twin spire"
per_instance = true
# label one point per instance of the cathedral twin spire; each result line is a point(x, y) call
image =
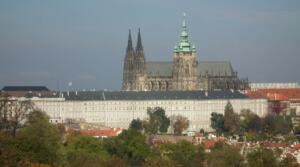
point(139, 46)
point(129, 44)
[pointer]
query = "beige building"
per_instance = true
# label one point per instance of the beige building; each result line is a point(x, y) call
point(118, 109)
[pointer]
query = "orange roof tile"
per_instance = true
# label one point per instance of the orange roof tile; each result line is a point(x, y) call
point(275, 94)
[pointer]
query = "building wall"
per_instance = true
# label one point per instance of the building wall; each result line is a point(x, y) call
point(119, 113)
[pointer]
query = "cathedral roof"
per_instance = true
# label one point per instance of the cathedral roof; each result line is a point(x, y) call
point(25, 88)
point(213, 68)
point(159, 68)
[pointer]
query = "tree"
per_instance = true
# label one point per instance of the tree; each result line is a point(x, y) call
point(130, 145)
point(277, 124)
point(231, 119)
point(225, 156)
point(262, 158)
point(157, 121)
point(179, 124)
point(289, 161)
point(115, 161)
point(249, 121)
point(200, 157)
point(84, 150)
point(217, 122)
point(136, 124)
point(39, 141)
point(183, 153)
point(9, 153)
point(159, 161)
point(13, 113)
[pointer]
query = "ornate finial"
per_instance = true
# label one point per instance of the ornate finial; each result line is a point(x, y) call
point(183, 23)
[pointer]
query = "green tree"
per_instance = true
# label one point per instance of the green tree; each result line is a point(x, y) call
point(39, 141)
point(277, 124)
point(217, 122)
point(231, 119)
point(200, 157)
point(249, 121)
point(84, 150)
point(262, 158)
point(9, 153)
point(130, 145)
point(289, 161)
point(183, 153)
point(157, 121)
point(136, 124)
point(115, 161)
point(225, 156)
point(158, 161)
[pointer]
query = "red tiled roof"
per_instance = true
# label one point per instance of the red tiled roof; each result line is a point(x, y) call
point(208, 143)
point(275, 94)
point(296, 146)
point(157, 141)
point(274, 145)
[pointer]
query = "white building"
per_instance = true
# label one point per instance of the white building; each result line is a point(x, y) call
point(117, 109)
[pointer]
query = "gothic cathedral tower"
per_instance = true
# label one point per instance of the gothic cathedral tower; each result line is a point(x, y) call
point(128, 69)
point(184, 63)
point(140, 65)
point(134, 72)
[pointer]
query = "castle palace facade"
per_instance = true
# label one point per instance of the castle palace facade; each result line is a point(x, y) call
point(184, 73)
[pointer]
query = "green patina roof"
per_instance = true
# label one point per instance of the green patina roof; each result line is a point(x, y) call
point(184, 45)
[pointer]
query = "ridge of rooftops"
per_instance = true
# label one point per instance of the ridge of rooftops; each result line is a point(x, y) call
point(151, 95)
point(127, 95)
point(25, 88)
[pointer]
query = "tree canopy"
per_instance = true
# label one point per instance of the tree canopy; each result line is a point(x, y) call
point(157, 121)
point(231, 119)
point(217, 122)
point(40, 140)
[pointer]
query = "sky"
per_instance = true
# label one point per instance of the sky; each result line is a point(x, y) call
point(54, 42)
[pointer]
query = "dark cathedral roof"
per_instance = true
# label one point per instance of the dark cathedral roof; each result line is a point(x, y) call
point(213, 68)
point(152, 95)
point(159, 68)
point(25, 88)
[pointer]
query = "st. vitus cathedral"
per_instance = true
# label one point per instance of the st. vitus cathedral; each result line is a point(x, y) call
point(184, 73)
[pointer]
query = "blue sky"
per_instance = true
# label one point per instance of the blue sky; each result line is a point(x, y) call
point(53, 42)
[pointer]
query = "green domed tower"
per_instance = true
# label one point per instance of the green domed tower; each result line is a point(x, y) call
point(184, 63)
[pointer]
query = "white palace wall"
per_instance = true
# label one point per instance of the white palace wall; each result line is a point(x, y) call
point(119, 113)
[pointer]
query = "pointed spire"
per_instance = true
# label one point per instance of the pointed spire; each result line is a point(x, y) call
point(129, 45)
point(184, 44)
point(139, 46)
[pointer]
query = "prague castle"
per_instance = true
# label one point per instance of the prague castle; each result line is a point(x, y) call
point(184, 73)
